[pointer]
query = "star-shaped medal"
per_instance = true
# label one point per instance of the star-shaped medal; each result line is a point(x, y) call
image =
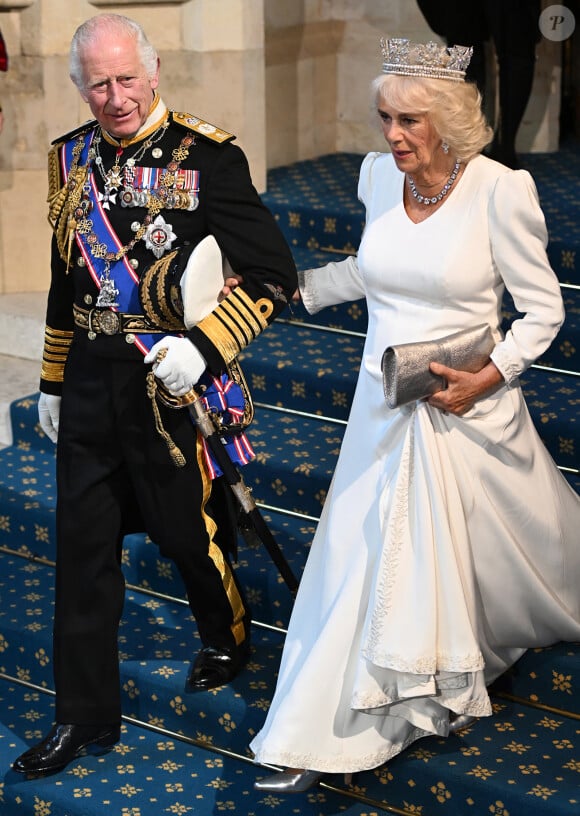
point(159, 236)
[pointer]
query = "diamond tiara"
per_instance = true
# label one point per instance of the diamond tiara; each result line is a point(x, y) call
point(400, 56)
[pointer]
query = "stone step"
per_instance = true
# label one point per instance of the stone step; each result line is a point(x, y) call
point(22, 324)
point(20, 377)
point(21, 339)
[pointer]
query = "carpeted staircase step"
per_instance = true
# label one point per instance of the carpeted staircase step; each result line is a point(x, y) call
point(502, 759)
point(518, 761)
point(27, 484)
point(315, 202)
point(148, 773)
point(546, 678)
point(553, 401)
point(158, 640)
point(304, 369)
point(268, 596)
point(556, 176)
point(564, 352)
point(499, 766)
point(295, 459)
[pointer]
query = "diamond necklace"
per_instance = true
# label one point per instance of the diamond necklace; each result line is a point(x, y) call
point(434, 199)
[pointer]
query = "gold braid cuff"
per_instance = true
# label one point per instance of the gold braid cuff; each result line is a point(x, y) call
point(54, 354)
point(236, 322)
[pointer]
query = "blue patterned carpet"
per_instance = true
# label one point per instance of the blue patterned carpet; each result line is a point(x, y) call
point(188, 754)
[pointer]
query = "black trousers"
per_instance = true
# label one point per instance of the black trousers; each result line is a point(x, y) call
point(511, 24)
point(115, 476)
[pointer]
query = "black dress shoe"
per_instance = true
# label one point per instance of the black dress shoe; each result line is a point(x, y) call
point(215, 667)
point(62, 745)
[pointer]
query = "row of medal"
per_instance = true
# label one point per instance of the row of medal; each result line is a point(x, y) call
point(172, 199)
point(140, 183)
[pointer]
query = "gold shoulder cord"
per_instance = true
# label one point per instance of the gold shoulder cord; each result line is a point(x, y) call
point(64, 199)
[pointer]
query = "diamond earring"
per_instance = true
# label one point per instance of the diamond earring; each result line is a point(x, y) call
point(445, 147)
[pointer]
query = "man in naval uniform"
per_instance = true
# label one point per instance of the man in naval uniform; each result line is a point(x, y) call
point(131, 194)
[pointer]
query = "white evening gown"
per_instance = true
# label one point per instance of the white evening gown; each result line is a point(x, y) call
point(447, 545)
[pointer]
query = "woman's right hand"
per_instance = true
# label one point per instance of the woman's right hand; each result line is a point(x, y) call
point(235, 280)
point(463, 388)
point(230, 284)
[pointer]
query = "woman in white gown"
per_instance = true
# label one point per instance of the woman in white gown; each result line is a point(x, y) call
point(448, 543)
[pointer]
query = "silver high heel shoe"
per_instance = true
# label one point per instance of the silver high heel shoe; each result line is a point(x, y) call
point(288, 782)
point(293, 781)
point(460, 722)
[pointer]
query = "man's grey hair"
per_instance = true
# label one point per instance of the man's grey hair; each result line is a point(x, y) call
point(101, 24)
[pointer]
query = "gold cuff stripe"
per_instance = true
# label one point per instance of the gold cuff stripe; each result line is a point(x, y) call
point(56, 347)
point(58, 334)
point(222, 339)
point(261, 310)
point(249, 313)
point(235, 323)
point(243, 318)
point(52, 372)
point(53, 359)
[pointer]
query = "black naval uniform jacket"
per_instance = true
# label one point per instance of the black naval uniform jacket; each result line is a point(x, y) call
point(229, 208)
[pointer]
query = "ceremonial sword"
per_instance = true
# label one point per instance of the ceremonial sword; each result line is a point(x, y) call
point(204, 420)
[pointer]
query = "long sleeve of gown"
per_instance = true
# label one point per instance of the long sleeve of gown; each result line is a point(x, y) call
point(338, 282)
point(518, 244)
point(328, 285)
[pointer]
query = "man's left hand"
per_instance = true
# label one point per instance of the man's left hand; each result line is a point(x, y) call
point(181, 365)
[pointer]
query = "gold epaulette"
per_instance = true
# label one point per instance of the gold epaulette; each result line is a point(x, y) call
point(235, 322)
point(56, 348)
point(202, 128)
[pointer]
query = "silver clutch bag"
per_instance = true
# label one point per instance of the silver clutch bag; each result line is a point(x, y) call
point(405, 367)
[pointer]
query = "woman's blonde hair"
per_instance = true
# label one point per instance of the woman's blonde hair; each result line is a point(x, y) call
point(453, 108)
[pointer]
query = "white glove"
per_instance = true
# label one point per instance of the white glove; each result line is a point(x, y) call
point(48, 414)
point(181, 367)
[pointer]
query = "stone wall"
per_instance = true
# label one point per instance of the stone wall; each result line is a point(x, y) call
point(321, 57)
point(289, 77)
